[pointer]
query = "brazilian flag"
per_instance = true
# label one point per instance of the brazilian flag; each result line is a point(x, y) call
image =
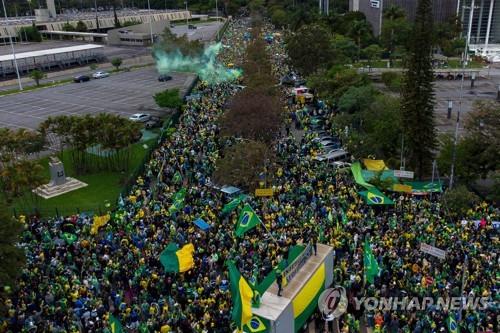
point(178, 201)
point(452, 325)
point(115, 325)
point(177, 179)
point(375, 197)
point(247, 220)
point(255, 325)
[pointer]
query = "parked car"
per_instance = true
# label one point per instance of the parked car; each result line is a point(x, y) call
point(100, 75)
point(153, 122)
point(81, 78)
point(140, 117)
point(164, 78)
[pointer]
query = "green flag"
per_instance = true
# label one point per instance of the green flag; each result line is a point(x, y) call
point(370, 263)
point(231, 205)
point(246, 221)
point(178, 201)
point(177, 179)
point(330, 217)
point(115, 325)
point(452, 325)
point(241, 294)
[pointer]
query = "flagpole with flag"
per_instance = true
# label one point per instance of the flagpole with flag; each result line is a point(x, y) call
point(241, 294)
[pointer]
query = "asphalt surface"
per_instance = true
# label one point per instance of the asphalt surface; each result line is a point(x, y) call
point(124, 93)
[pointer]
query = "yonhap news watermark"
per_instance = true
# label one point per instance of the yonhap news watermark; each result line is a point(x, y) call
point(333, 302)
point(421, 303)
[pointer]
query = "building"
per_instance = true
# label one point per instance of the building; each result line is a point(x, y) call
point(137, 35)
point(442, 10)
point(101, 21)
point(481, 25)
point(51, 59)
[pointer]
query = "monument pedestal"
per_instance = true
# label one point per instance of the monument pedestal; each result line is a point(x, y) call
point(59, 183)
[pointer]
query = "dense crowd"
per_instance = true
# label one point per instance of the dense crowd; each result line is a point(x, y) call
point(74, 285)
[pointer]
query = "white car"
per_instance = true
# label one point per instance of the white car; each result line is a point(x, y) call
point(100, 75)
point(140, 117)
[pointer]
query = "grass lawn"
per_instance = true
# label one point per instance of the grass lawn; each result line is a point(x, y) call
point(35, 87)
point(103, 187)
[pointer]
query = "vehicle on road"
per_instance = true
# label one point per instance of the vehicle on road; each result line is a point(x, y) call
point(100, 75)
point(140, 117)
point(333, 156)
point(153, 122)
point(164, 78)
point(81, 78)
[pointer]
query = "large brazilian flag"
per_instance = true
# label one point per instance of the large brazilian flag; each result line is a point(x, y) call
point(256, 325)
point(241, 294)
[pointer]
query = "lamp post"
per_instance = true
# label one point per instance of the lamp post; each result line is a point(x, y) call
point(187, 15)
point(150, 23)
point(13, 49)
point(217, 16)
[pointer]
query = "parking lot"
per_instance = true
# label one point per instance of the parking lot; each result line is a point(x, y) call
point(122, 93)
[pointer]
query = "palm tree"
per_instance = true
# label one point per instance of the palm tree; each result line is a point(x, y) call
point(392, 14)
point(359, 29)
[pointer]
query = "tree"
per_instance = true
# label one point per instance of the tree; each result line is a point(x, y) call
point(80, 26)
point(357, 99)
point(252, 115)
point(359, 31)
point(171, 43)
point(278, 17)
point(30, 33)
point(169, 98)
point(241, 165)
point(12, 258)
point(372, 53)
point(459, 200)
point(37, 75)
point(116, 62)
point(417, 94)
point(477, 153)
point(310, 48)
point(68, 27)
point(395, 30)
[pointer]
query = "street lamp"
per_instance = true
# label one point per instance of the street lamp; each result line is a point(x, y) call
point(13, 49)
point(150, 23)
point(187, 15)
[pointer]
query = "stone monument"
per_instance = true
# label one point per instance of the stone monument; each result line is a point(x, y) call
point(59, 183)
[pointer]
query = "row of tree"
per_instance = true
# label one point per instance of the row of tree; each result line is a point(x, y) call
point(251, 122)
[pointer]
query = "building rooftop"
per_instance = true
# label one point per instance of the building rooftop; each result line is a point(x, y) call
point(84, 15)
point(39, 53)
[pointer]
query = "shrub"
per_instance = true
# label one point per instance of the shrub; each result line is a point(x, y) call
point(169, 98)
point(392, 80)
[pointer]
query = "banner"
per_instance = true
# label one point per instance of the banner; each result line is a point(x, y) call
point(358, 177)
point(375, 197)
point(374, 165)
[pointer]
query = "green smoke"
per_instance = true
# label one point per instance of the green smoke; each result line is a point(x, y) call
point(205, 65)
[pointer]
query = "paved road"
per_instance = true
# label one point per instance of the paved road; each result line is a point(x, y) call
point(123, 93)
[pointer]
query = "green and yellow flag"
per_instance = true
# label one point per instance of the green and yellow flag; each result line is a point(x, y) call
point(374, 197)
point(242, 295)
point(370, 263)
point(255, 325)
point(231, 205)
point(247, 220)
point(177, 261)
point(115, 325)
point(178, 201)
point(452, 324)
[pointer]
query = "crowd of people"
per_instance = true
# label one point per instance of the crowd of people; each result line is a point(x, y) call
point(75, 284)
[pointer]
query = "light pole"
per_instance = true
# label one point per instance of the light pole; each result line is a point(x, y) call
point(96, 18)
point(217, 16)
point(187, 15)
point(150, 23)
point(13, 49)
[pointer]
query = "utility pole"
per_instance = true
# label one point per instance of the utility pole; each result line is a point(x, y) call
point(13, 49)
point(150, 23)
point(187, 16)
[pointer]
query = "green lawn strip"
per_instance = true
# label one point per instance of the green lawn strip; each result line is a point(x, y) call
point(103, 188)
point(35, 87)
